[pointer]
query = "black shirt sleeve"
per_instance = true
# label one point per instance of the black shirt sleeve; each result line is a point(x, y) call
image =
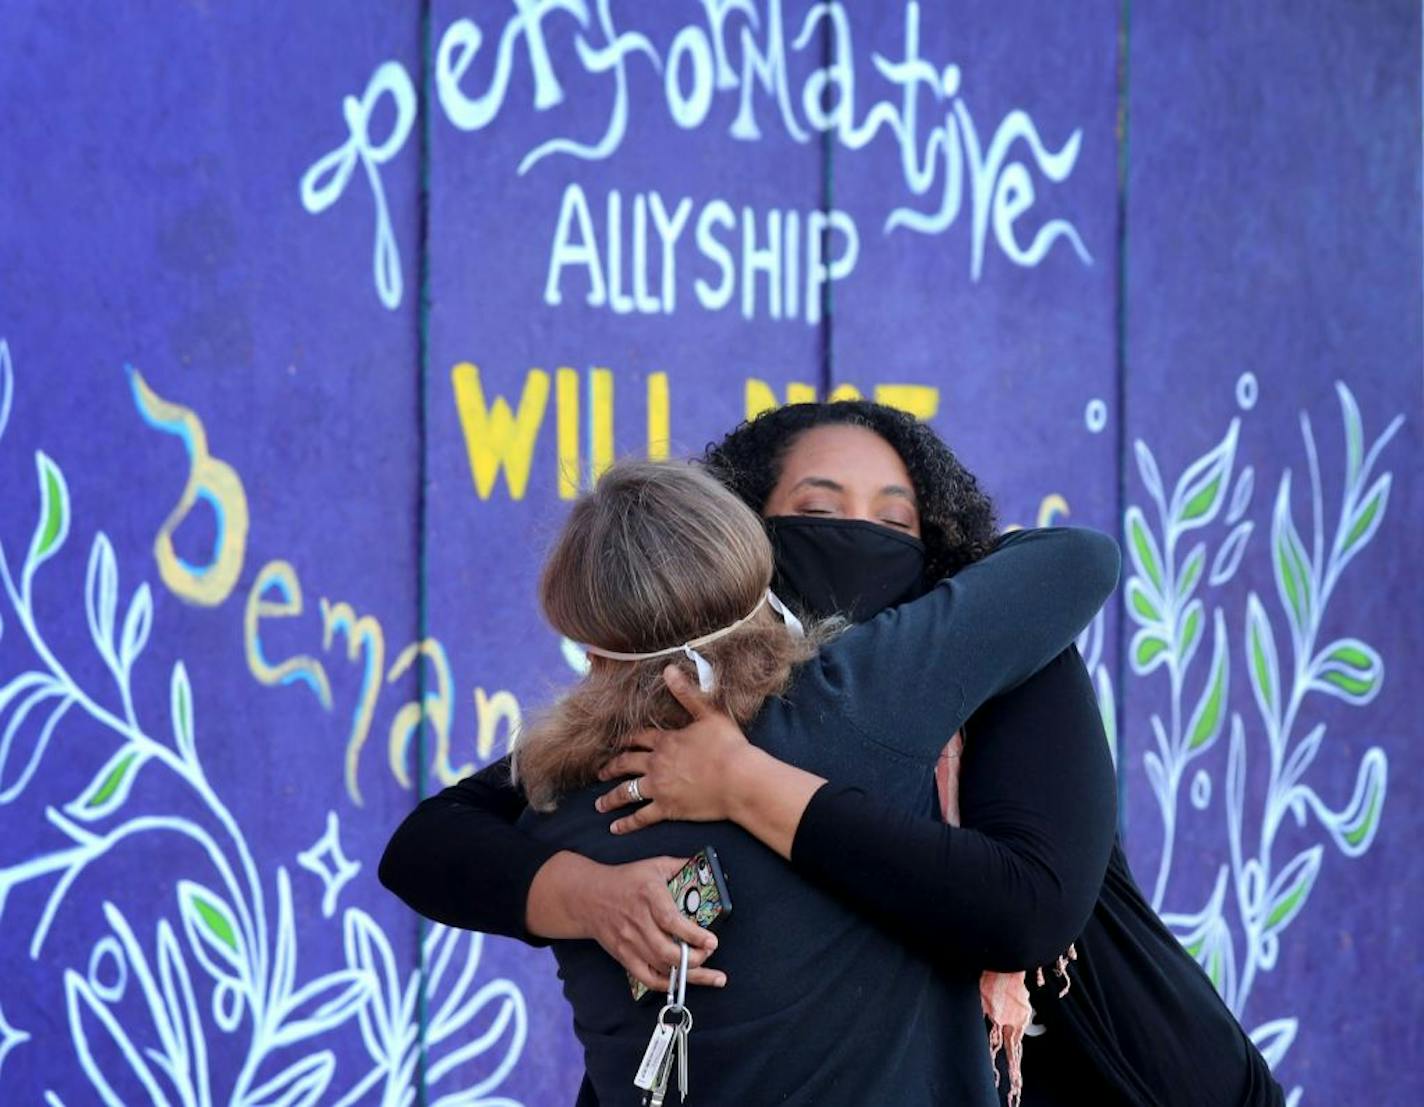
point(459, 859)
point(910, 676)
point(1015, 885)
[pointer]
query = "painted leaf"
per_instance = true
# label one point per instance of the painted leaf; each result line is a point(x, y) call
point(1354, 433)
point(1355, 827)
point(368, 951)
point(1348, 669)
point(322, 1004)
point(183, 1012)
point(510, 1024)
point(213, 932)
point(101, 595)
point(1290, 562)
point(115, 1068)
point(1202, 488)
point(1274, 1038)
point(53, 525)
point(1142, 548)
point(1290, 889)
point(22, 747)
point(111, 785)
point(1107, 706)
point(1191, 570)
point(1366, 518)
point(1261, 659)
point(1193, 620)
point(1241, 495)
point(1228, 556)
point(1210, 711)
point(1149, 650)
point(1302, 756)
point(180, 709)
point(1147, 466)
point(7, 385)
point(300, 1084)
point(1235, 778)
point(1156, 775)
point(138, 621)
point(284, 960)
point(1141, 604)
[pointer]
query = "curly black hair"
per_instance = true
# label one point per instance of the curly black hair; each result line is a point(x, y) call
point(957, 522)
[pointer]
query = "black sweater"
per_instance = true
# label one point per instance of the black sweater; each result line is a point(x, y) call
point(1023, 878)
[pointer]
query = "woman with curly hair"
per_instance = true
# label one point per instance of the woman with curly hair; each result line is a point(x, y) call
point(1010, 893)
point(660, 562)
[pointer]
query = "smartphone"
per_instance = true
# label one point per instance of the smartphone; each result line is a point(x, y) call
point(700, 891)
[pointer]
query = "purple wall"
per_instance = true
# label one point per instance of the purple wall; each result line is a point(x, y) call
point(311, 326)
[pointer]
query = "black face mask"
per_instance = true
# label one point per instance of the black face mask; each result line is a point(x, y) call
point(843, 566)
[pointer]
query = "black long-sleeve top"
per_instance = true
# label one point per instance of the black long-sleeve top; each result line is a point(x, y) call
point(1010, 890)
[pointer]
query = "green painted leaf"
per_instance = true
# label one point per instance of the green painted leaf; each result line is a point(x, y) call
point(1148, 649)
point(1202, 488)
point(1349, 669)
point(1142, 547)
point(216, 922)
point(1261, 657)
point(1290, 561)
point(1191, 570)
point(1201, 503)
point(1368, 516)
point(212, 931)
point(110, 787)
point(53, 524)
point(1192, 625)
point(112, 781)
point(1143, 609)
point(1290, 890)
point(1364, 827)
point(1210, 711)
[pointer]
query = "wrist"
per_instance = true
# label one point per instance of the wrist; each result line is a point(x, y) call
point(747, 773)
point(558, 904)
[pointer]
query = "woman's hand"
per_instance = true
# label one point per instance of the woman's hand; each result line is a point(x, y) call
point(627, 910)
point(685, 774)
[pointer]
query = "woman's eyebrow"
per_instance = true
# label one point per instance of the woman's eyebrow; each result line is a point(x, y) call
point(819, 482)
point(898, 490)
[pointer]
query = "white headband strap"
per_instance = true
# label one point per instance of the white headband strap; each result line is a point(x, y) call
point(705, 678)
point(705, 640)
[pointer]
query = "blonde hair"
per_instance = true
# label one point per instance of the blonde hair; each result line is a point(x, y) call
point(659, 553)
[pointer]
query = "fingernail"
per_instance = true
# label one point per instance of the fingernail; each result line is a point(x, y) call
point(598, 805)
point(721, 982)
point(711, 942)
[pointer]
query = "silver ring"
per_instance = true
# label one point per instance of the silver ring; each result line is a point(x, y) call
point(633, 793)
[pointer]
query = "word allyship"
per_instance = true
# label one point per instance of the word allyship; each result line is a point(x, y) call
point(771, 265)
point(782, 76)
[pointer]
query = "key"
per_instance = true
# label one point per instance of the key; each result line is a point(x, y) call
point(683, 1032)
point(655, 1056)
point(658, 1092)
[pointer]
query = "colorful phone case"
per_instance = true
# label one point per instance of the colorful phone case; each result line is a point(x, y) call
point(700, 891)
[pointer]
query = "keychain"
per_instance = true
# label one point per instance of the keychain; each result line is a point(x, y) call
point(668, 1043)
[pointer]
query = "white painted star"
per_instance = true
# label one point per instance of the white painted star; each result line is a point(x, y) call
point(325, 858)
point(10, 1038)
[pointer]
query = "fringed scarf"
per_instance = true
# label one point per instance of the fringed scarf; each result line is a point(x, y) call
point(1004, 995)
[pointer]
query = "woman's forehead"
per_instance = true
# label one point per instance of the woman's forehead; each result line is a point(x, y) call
point(847, 455)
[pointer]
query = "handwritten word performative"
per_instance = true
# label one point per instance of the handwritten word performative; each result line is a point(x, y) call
point(275, 596)
point(501, 437)
point(738, 49)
